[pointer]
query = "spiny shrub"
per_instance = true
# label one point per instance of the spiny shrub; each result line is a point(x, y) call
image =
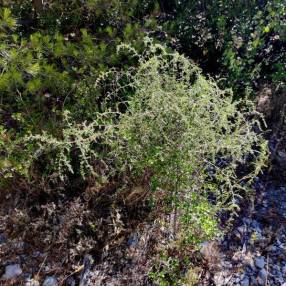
point(77, 139)
point(56, 153)
point(189, 136)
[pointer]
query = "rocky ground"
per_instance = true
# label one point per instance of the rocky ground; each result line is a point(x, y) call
point(252, 253)
point(126, 262)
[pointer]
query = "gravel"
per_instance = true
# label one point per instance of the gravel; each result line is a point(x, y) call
point(254, 252)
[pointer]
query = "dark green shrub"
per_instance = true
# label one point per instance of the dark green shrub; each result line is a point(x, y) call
point(243, 41)
point(45, 73)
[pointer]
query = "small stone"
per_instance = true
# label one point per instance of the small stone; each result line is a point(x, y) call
point(204, 246)
point(19, 245)
point(284, 269)
point(50, 281)
point(237, 280)
point(260, 262)
point(255, 224)
point(262, 274)
point(242, 229)
point(227, 264)
point(32, 282)
point(253, 268)
point(271, 281)
point(247, 221)
point(11, 271)
point(218, 279)
point(278, 242)
point(245, 281)
point(37, 254)
point(253, 280)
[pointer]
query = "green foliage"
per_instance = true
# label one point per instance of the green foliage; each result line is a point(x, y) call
point(7, 20)
point(168, 272)
point(76, 138)
point(177, 130)
point(255, 52)
point(190, 138)
point(243, 41)
point(84, 95)
point(43, 74)
point(179, 127)
point(184, 130)
point(106, 19)
point(199, 219)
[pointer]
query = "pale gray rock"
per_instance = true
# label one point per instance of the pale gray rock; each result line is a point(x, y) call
point(262, 274)
point(32, 282)
point(260, 262)
point(11, 271)
point(245, 281)
point(50, 281)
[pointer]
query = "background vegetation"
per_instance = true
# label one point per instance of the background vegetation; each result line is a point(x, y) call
point(96, 93)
